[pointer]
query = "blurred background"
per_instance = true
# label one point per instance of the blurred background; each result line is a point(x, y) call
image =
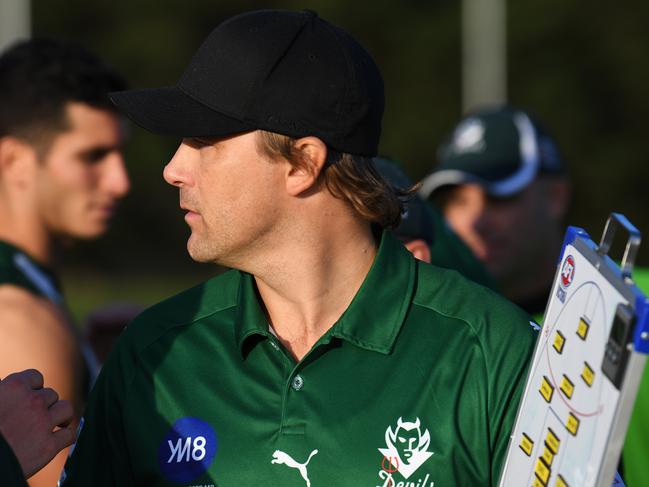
point(581, 68)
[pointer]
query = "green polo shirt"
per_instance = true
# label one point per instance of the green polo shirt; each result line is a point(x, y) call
point(417, 384)
point(11, 475)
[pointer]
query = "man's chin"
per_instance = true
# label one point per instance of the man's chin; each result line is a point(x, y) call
point(198, 252)
point(88, 232)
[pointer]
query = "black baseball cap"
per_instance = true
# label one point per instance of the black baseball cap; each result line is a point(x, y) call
point(416, 215)
point(503, 149)
point(287, 72)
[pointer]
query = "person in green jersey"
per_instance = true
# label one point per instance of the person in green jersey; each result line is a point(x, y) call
point(34, 426)
point(636, 444)
point(329, 355)
point(61, 174)
point(503, 187)
point(425, 233)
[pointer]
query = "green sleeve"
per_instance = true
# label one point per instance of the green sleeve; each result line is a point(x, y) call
point(11, 473)
point(508, 355)
point(100, 457)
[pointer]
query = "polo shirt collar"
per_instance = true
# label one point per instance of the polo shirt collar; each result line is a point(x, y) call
point(373, 319)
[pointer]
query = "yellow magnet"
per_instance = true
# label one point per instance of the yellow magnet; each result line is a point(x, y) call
point(547, 389)
point(527, 445)
point(559, 341)
point(567, 387)
point(560, 482)
point(552, 441)
point(572, 424)
point(547, 456)
point(542, 471)
point(582, 329)
point(588, 374)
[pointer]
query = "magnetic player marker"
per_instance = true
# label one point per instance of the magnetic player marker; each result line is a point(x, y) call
point(588, 374)
point(542, 471)
point(567, 387)
point(547, 389)
point(559, 342)
point(526, 445)
point(560, 482)
point(582, 329)
point(547, 456)
point(572, 424)
point(552, 441)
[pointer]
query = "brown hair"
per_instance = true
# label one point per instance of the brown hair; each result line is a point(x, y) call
point(351, 178)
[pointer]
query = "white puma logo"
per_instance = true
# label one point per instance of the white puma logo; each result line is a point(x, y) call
point(280, 457)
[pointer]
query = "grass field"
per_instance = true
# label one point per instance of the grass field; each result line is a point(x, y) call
point(87, 292)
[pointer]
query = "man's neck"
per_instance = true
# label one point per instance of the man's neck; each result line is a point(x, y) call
point(531, 288)
point(307, 290)
point(31, 238)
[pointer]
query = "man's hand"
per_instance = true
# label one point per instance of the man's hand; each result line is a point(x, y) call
point(33, 420)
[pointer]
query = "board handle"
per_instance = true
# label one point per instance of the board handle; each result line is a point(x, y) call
point(614, 221)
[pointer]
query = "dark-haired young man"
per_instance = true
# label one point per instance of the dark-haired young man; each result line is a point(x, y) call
point(329, 356)
point(61, 174)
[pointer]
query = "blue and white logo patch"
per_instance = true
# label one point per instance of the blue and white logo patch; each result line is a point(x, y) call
point(187, 450)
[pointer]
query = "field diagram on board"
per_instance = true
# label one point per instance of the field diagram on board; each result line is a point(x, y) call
point(570, 403)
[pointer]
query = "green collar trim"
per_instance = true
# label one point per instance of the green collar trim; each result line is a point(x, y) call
point(373, 319)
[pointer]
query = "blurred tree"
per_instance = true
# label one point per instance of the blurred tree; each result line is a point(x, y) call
point(582, 71)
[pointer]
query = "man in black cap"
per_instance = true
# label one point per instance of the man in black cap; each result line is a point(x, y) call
point(503, 188)
point(329, 355)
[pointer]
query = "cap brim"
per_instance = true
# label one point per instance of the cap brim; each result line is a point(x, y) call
point(434, 181)
point(452, 177)
point(169, 111)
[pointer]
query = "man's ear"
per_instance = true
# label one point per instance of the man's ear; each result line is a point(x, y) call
point(304, 176)
point(420, 249)
point(17, 160)
point(559, 197)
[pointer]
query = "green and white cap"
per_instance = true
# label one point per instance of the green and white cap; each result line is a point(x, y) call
point(501, 148)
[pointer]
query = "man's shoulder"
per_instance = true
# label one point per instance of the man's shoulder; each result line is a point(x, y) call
point(206, 299)
point(19, 307)
point(446, 292)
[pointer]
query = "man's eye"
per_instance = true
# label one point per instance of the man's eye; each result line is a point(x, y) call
point(402, 440)
point(94, 156)
point(198, 142)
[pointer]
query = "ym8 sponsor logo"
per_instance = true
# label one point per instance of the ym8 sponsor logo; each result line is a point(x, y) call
point(187, 450)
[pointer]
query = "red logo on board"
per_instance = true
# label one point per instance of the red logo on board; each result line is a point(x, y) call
point(568, 271)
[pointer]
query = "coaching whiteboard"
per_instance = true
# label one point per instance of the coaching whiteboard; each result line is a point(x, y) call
point(575, 408)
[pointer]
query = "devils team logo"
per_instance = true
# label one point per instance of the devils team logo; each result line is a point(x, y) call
point(568, 271)
point(407, 450)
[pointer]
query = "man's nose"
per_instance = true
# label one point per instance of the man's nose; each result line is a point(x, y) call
point(116, 179)
point(177, 171)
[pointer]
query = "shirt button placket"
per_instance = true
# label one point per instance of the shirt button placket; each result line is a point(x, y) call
point(297, 383)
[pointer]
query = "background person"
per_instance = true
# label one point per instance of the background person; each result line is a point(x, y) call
point(34, 426)
point(503, 188)
point(425, 232)
point(61, 176)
